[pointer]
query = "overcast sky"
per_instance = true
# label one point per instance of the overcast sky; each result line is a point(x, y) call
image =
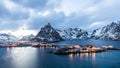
point(22, 17)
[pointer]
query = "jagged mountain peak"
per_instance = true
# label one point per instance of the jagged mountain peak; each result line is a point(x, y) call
point(48, 34)
point(48, 26)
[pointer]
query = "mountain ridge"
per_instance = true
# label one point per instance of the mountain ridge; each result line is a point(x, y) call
point(50, 34)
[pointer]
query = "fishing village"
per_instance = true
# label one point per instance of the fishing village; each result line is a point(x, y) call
point(62, 49)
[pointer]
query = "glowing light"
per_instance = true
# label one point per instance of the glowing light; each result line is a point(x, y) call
point(93, 56)
point(86, 54)
point(8, 49)
point(71, 57)
point(13, 45)
point(77, 54)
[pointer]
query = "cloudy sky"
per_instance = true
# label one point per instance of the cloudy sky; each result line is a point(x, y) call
point(23, 17)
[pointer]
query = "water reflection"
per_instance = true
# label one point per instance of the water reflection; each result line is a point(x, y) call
point(23, 57)
point(8, 49)
point(77, 54)
point(85, 54)
point(81, 55)
point(71, 57)
point(41, 49)
point(92, 56)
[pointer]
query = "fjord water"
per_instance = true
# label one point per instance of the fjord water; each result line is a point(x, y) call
point(30, 57)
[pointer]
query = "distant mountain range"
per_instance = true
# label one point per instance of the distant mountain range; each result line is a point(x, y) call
point(27, 38)
point(7, 39)
point(73, 33)
point(50, 34)
point(109, 32)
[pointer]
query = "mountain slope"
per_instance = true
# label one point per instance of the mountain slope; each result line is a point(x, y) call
point(27, 38)
point(73, 33)
point(48, 34)
point(109, 32)
point(7, 39)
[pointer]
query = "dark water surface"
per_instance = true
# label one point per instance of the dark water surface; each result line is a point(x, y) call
point(30, 57)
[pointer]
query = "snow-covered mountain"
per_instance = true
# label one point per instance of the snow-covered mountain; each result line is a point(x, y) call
point(48, 34)
point(109, 32)
point(7, 39)
point(27, 38)
point(73, 33)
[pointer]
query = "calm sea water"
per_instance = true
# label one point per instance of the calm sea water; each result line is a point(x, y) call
point(30, 57)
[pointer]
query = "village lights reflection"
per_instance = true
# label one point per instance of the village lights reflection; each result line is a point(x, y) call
point(71, 57)
point(83, 55)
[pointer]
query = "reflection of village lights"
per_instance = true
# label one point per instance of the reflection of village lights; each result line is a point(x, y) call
point(71, 57)
point(86, 54)
point(93, 56)
point(8, 49)
point(81, 55)
point(41, 49)
point(77, 54)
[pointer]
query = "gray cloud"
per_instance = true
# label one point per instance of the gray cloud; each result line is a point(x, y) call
point(18, 15)
point(62, 14)
point(13, 14)
point(32, 3)
point(11, 25)
point(12, 19)
point(54, 19)
point(59, 21)
point(3, 11)
point(38, 5)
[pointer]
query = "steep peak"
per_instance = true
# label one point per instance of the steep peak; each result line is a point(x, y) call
point(113, 23)
point(118, 22)
point(48, 25)
point(48, 34)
